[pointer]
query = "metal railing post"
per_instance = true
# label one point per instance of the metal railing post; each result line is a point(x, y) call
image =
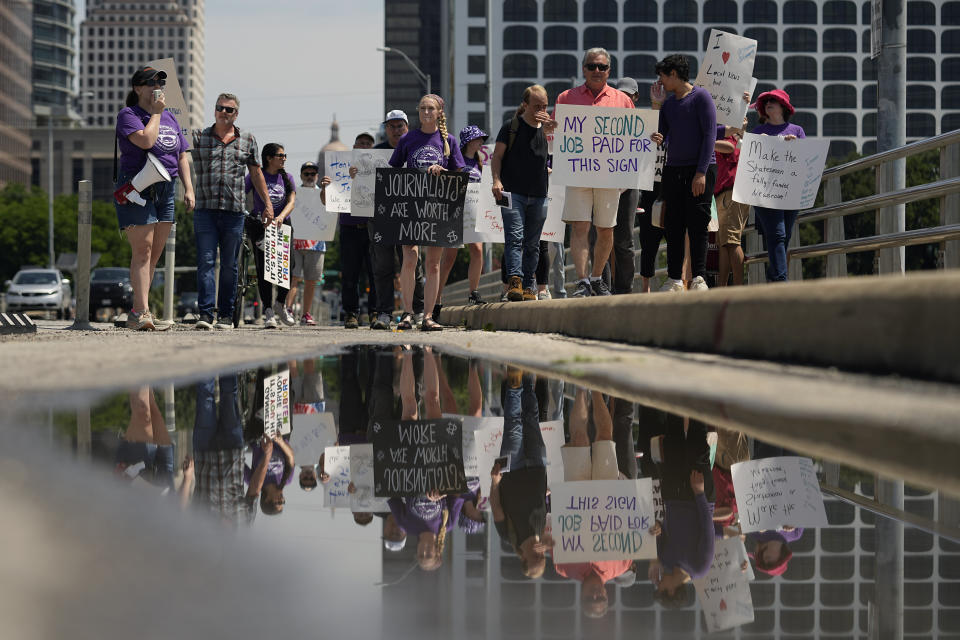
point(169, 263)
point(81, 320)
point(833, 229)
point(756, 271)
point(794, 265)
point(950, 205)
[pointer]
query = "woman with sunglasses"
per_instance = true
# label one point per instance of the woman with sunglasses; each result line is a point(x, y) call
point(282, 194)
point(144, 127)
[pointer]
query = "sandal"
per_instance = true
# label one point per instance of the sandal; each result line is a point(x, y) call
point(406, 322)
point(429, 324)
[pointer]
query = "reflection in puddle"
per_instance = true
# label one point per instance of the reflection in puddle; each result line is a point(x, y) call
point(506, 503)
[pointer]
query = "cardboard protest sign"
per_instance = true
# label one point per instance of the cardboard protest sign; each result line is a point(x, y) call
point(311, 434)
point(414, 207)
point(276, 254)
point(361, 475)
point(554, 227)
point(659, 162)
point(604, 147)
point(310, 218)
point(336, 463)
point(276, 405)
point(773, 492)
point(724, 593)
point(778, 173)
point(479, 205)
point(726, 73)
point(337, 168)
point(603, 520)
point(173, 96)
point(363, 188)
point(413, 457)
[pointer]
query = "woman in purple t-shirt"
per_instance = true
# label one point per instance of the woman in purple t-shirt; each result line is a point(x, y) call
point(431, 149)
point(776, 224)
point(144, 127)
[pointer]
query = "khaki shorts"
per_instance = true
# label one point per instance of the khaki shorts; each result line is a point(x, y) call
point(596, 462)
point(585, 204)
point(307, 262)
point(731, 217)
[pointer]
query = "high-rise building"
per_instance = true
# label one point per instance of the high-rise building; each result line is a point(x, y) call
point(54, 57)
point(15, 91)
point(118, 37)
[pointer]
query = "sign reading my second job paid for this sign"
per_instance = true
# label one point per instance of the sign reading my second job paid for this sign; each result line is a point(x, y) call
point(603, 520)
point(604, 147)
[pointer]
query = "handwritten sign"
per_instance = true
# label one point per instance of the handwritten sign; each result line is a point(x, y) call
point(363, 188)
point(338, 170)
point(554, 227)
point(773, 492)
point(173, 95)
point(489, 222)
point(778, 173)
point(659, 162)
point(479, 205)
point(311, 434)
point(413, 457)
point(414, 207)
point(310, 218)
point(604, 147)
point(276, 405)
point(361, 475)
point(724, 593)
point(336, 463)
point(603, 520)
point(276, 254)
point(726, 73)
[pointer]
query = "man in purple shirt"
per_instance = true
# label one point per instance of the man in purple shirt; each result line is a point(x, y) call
point(688, 126)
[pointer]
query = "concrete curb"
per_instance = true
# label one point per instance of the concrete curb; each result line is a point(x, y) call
point(890, 324)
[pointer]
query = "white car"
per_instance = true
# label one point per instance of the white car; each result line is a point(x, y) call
point(39, 290)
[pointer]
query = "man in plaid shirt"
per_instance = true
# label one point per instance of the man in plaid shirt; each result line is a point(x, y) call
point(222, 155)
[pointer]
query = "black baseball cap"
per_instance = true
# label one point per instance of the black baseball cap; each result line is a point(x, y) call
point(309, 164)
point(143, 74)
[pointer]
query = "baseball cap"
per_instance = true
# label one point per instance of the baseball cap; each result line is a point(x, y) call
point(396, 114)
point(394, 545)
point(146, 73)
point(309, 164)
point(628, 85)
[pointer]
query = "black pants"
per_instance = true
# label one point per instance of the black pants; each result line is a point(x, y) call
point(355, 259)
point(622, 254)
point(650, 236)
point(681, 455)
point(687, 215)
point(255, 233)
point(385, 259)
point(353, 406)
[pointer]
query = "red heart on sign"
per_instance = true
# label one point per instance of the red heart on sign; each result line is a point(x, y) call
point(723, 605)
point(726, 56)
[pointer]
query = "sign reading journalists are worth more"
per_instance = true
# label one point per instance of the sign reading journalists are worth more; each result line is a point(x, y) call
point(415, 457)
point(414, 207)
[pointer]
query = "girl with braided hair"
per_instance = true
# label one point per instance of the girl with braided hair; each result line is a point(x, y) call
point(430, 148)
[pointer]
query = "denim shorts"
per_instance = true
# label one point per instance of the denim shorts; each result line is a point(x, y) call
point(159, 207)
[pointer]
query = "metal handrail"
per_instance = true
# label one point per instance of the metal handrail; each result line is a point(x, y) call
point(910, 194)
point(876, 159)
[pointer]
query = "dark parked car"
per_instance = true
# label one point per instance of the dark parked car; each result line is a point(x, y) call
point(110, 288)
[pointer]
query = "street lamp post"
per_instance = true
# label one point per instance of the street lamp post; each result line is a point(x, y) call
point(424, 78)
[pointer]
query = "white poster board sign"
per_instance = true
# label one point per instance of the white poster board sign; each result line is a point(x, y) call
point(312, 433)
point(724, 593)
point(489, 221)
point(778, 173)
point(361, 475)
point(338, 170)
point(366, 161)
point(554, 227)
point(336, 463)
point(173, 95)
point(604, 147)
point(773, 492)
point(311, 220)
point(603, 520)
point(276, 405)
point(276, 254)
point(479, 209)
point(726, 73)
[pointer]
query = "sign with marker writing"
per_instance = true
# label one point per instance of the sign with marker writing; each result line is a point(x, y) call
point(726, 73)
point(276, 405)
point(173, 95)
point(311, 434)
point(361, 475)
point(478, 206)
point(604, 147)
point(310, 218)
point(413, 457)
point(554, 227)
point(489, 222)
point(774, 492)
point(603, 520)
point(414, 207)
point(724, 593)
point(363, 188)
point(336, 463)
point(778, 173)
point(276, 254)
point(337, 168)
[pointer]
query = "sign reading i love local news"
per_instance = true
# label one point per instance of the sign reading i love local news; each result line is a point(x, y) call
point(276, 254)
point(414, 207)
point(726, 73)
point(778, 173)
point(604, 147)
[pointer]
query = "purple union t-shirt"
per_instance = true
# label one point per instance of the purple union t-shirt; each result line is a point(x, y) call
point(784, 129)
point(419, 150)
point(168, 147)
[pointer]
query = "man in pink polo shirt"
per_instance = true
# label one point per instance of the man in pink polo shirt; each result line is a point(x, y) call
point(586, 205)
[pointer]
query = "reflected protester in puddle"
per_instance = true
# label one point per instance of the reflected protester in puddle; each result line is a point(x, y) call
point(771, 552)
point(146, 453)
point(306, 397)
point(732, 447)
point(685, 540)
point(518, 498)
point(273, 459)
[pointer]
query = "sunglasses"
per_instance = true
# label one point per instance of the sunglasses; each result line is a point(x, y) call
point(282, 156)
point(595, 66)
point(220, 107)
point(309, 174)
point(155, 82)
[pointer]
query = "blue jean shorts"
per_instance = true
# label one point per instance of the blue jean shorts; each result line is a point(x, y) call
point(159, 207)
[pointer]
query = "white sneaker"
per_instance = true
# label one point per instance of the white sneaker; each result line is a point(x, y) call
point(544, 295)
point(270, 319)
point(673, 286)
point(224, 324)
point(285, 315)
point(699, 284)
